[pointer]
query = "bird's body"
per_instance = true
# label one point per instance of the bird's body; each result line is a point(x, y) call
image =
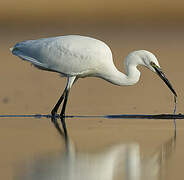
point(75, 56)
point(69, 55)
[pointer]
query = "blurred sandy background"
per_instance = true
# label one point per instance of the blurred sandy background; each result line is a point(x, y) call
point(157, 26)
point(83, 11)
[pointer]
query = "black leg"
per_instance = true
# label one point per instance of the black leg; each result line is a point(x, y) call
point(64, 97)
point(62, 115)
point(55, 109)
point(54, 112)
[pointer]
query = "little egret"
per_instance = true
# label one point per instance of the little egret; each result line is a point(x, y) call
point(75, 56)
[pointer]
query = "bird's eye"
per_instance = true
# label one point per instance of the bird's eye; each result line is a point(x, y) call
point(152, 63)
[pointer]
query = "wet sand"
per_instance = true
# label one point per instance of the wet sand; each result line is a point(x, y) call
point(29, 142)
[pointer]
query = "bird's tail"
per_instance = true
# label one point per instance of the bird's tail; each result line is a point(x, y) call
point(16, 50)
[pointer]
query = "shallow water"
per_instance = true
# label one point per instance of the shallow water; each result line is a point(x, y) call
point(117, 161)
point(98, 148)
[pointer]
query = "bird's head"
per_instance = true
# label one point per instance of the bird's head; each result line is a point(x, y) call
point(151, 62)
point(148, 60)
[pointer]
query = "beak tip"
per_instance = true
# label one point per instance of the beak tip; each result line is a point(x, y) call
point(163, 77)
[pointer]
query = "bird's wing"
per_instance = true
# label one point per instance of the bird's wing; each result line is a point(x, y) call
point(70, 55)
point(23, 56)
point(34, 51)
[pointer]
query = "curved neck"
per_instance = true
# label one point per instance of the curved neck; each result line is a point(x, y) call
point(118, 78)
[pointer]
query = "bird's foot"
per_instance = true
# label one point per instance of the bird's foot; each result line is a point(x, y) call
point(53, 116)
point(55, 122)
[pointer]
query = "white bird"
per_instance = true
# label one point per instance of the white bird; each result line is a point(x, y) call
point(75, 57)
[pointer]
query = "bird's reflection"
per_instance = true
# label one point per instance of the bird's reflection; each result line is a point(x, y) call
point(121, 161)
point(152, 167)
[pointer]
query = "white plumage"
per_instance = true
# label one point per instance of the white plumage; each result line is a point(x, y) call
point(70, 55)
point(75, 56)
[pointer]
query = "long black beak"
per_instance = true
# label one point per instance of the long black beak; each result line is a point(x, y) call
point(163, 77)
